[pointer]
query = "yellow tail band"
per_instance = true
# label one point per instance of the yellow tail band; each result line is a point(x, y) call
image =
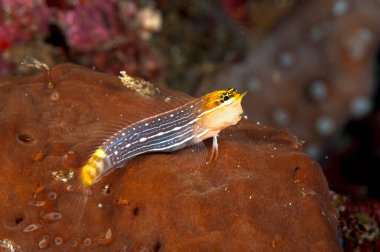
point(93, 167)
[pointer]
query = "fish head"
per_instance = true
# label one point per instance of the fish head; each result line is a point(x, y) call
point(221, 109)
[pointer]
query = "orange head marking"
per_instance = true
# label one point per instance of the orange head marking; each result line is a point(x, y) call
point(222, 98)
point(222, 108)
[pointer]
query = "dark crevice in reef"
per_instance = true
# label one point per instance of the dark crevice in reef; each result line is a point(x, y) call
point(25, 138)
point(157, 246)
point(56, 37)
point(136, 211)
point(296, 169)
point(377, 81)
point(19, 219)
point(357, 148)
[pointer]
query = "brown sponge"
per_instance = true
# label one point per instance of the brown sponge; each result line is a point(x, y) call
point(261, 194)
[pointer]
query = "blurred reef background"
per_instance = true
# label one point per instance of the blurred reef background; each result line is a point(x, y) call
point(310, 67)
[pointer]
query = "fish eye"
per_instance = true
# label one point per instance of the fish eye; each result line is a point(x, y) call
point(225, 96)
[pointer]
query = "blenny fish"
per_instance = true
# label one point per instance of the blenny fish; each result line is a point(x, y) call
point(188, 124)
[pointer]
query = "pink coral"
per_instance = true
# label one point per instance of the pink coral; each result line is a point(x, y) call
point(106, 35)
point(5, 67)
point(21, 20)
point(96, 18)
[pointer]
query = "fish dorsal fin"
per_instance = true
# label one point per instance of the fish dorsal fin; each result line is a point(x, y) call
point(167, 98)
point(173, 98)
point(148, 104)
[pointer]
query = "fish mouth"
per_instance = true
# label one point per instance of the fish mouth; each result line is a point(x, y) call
point(240, 96)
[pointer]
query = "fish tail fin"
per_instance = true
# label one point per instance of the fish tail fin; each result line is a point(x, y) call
point(60, 202)
point(72, 201)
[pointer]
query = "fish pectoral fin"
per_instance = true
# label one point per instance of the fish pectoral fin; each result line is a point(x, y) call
point(214, 151)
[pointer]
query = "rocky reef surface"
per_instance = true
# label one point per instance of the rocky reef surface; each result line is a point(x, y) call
point(262, 193)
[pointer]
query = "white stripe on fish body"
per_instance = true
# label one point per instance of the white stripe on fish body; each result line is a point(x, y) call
point(168, 131)
point(175, 145)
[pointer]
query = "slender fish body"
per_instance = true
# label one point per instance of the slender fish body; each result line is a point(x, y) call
point(165, 132)
point(188, 124)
